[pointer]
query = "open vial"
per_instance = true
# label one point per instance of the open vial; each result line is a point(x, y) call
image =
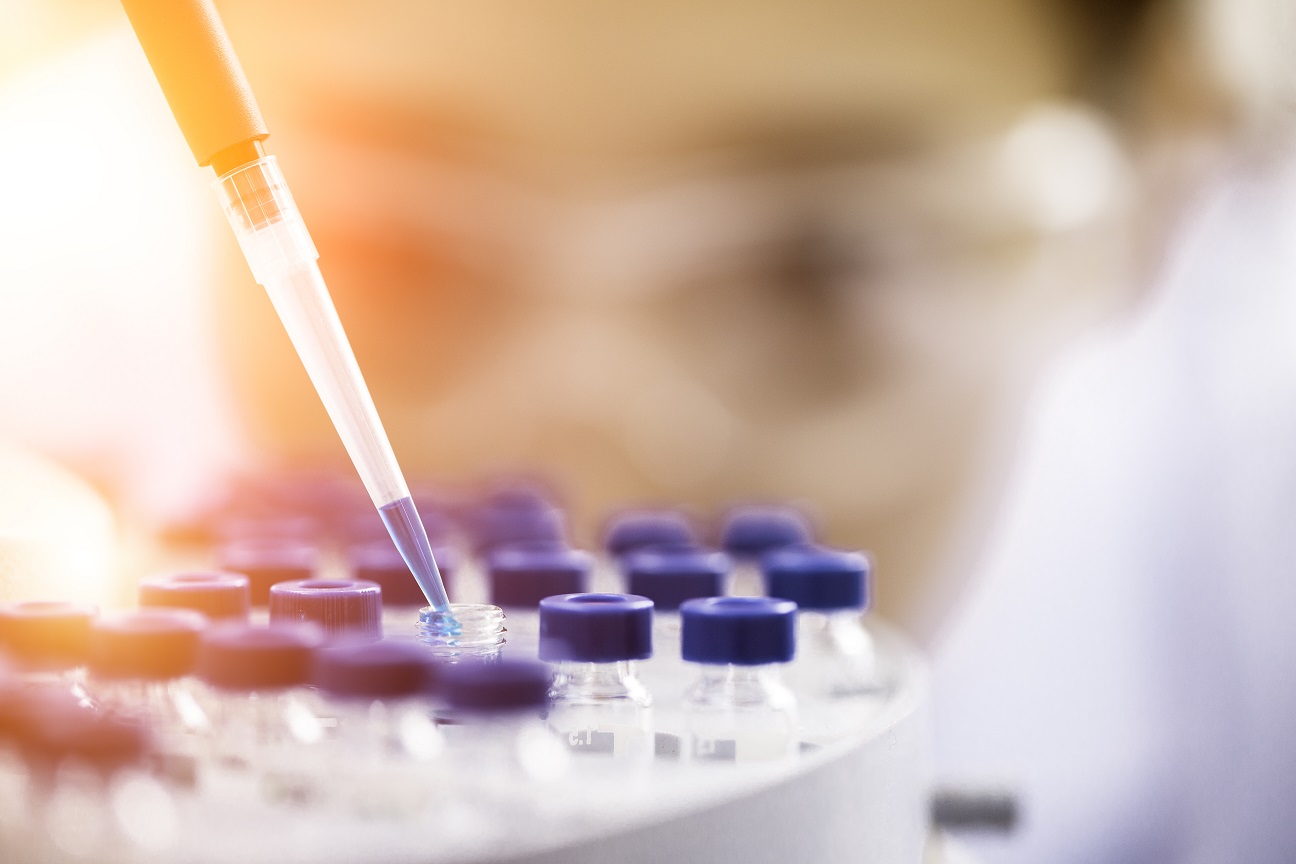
point(471, 631)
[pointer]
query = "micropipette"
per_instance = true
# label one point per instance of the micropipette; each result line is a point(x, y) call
point(194, 62)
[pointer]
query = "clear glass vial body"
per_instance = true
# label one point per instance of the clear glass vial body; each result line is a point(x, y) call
point(269, 736)
point(383, 757)
point(602, 709)
point(736, 713)
point(837, 658)
point(79, 813)
point(174, 709)
point(475, 631)
point(666, 670)
point(506, 751)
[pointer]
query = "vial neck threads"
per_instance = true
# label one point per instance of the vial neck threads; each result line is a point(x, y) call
point(470, 630)
point(599, 683)
point(749, 688)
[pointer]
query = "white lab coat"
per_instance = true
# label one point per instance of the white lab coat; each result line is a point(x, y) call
point(1129, 657)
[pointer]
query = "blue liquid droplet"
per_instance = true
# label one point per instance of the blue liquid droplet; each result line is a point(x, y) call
point(406, 530)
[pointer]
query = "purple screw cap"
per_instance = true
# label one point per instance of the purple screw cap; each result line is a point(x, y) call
point(267, 562)
point(815, 577)
point(47, 634)
point(54, 726)
point(752, 530)
point(595, 628)
point(248, 657)
point(744, 631)
point(639, 529)
point(669, 576)
point(381, 562)
point(217, 595)
point(500, 687)
point(516, 517)
point(374, 670)
point(522, 576)
point(341, 607)
point(156, 644)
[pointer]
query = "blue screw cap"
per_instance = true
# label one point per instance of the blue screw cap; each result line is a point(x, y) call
point(669, 576)
point(595, 628)
point(815, 577)
point(522, 576)
point(743, 631)
point(638, 529)
point(753, 530)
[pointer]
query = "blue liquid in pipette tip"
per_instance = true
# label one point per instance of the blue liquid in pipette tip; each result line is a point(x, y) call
point(406, 530)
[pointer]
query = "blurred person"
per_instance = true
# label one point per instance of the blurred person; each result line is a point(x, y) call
point(770, 251)
point(1127, 657)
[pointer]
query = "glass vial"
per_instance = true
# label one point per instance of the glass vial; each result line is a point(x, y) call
point(836, 659)
point(89, 799)
point(140, 667)
point(498, 740)
point(751, 531)
point(49, 643)
point(472, 631)
point(598, 704)
point(381, 758)
point(738, 710)
point(263, 719)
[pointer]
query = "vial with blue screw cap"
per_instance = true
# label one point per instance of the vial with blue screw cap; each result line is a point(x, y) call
point(598, 704)
point(668, 576)
point(738, 709)
point(831, 589)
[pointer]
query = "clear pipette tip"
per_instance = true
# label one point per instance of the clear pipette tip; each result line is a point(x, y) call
point(406, 529)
